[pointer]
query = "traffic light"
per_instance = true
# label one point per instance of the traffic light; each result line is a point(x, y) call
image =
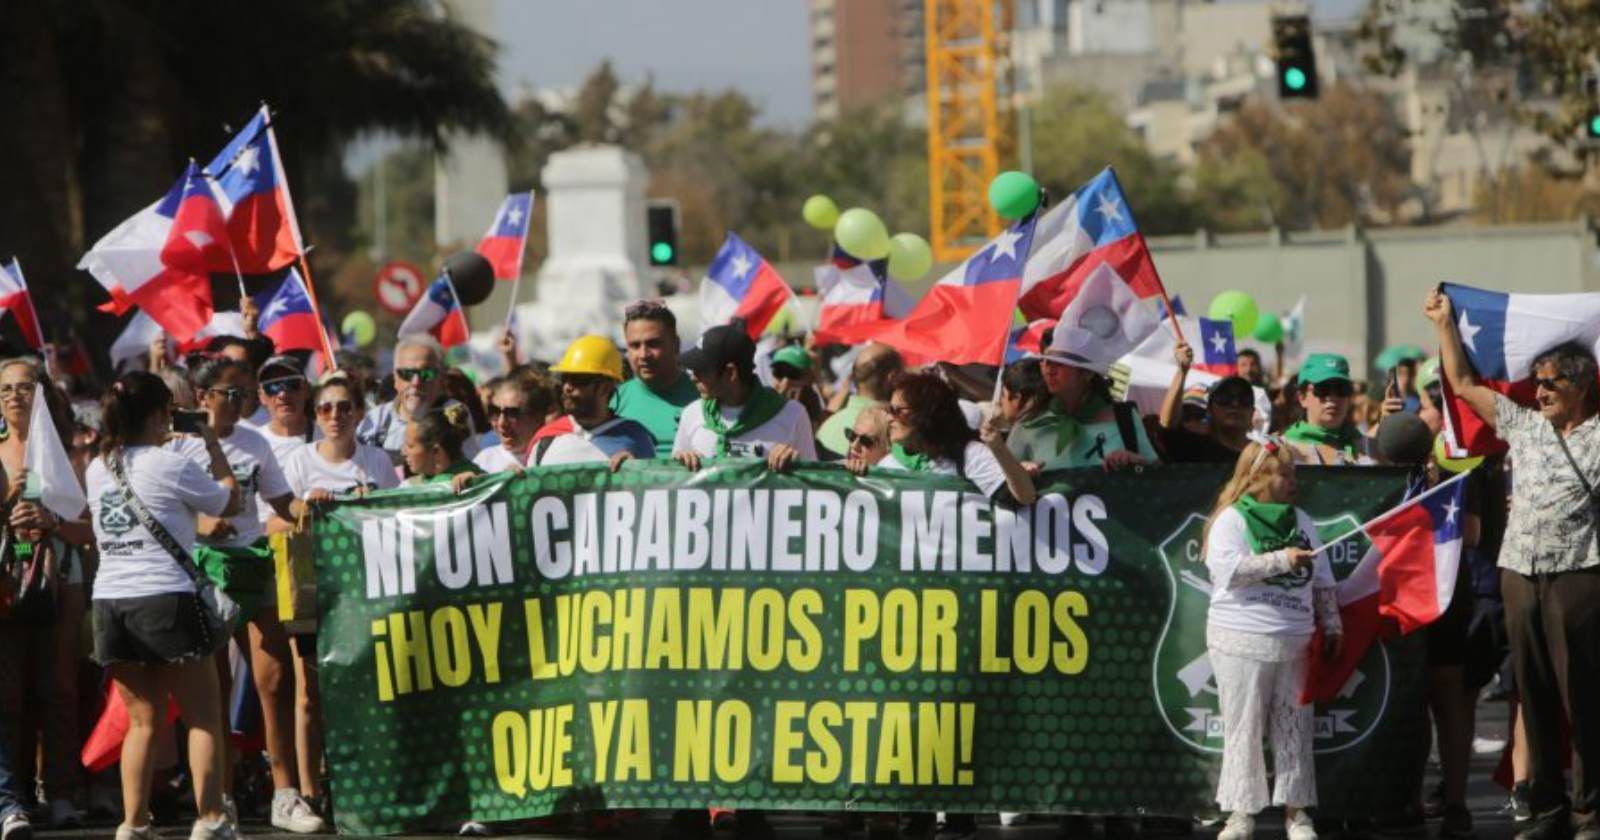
point(1591, 112)
point(661, 226)
point(1297, 61)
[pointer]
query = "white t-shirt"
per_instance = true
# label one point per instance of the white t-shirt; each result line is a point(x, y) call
point(596, 445)
point(174, 489)
point(791, 425)
point(979, 466)
point(283, 446)
point(369, 467)
point(257, 471)
point(1279, 605)
point(497, 458)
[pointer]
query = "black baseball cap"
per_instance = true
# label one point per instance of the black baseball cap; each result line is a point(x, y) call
point(719, 346)
point(280, 367)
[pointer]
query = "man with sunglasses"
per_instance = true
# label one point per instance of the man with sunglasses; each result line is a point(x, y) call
point(589, 372)
point(1549, 564)
point(419, 387)
point(283, 391)
point(1229, 408)
point(1326, 435)
point(872, 372)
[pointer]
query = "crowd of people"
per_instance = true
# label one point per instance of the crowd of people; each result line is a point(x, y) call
point(192, 466)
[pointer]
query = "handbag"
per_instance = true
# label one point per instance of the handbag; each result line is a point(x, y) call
point(1582, 479)
point(27, 580)
point(219, 613)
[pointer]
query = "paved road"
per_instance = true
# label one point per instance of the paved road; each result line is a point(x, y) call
point(1484, 798)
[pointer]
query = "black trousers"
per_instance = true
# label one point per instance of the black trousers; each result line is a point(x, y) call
point(1553, 622)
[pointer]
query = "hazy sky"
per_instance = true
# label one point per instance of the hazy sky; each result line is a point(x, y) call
point(757, 46)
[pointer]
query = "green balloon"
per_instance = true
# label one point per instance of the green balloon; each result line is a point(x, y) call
point(1269, 330)
point(861, 234)
point(359, 327)
point(1235, 306)
point(910, 256)
point(1013, 194)
point(820, 212)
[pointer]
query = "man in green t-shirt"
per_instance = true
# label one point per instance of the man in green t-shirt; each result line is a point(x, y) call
point(873, 374)
point(659, 389)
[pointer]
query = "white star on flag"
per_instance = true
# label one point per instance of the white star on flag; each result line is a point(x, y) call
point(198, 238)
point(1469, 332)
point(1109, 209)
point(249, 159)
point(1219, 344)
point(515, 215)
point(1006, 243)
point(741, 265)
point(1450, 510)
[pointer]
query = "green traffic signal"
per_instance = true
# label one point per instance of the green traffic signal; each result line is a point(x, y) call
point(661, 252)
point(1294, 78)
point(1594, 126)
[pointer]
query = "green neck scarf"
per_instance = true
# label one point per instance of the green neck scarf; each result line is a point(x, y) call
point(1270, 526)
point(915, 463)
point(763, 405)
point(452, 471)
point(1342, 438)
point(1070, 427)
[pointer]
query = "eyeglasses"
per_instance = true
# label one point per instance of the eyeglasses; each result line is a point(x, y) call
point(423, 374)
point(510, 411)
point(232, 393)
point(332, 407)
point(853, 437)
point(1552, 384)
point(12, 389)
point(286, 385)
point(1332, 390)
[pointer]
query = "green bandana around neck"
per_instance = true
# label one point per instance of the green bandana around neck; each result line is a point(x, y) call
point(1269, 525)
point(763, 405)
point(1342, 438)
point(915, 463)
point(1071, 426)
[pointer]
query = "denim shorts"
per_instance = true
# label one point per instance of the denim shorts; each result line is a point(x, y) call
point(162, 629)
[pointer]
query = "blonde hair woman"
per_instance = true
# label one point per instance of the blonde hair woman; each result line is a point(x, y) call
point(1270, 590)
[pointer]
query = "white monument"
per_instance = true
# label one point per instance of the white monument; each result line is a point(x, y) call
point(595, 205)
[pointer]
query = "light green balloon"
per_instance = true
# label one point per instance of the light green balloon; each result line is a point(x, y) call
point(1013, 194)
point(820, 212)
point(910, 256)
point(861, 234)
point(359, 327)
point(1269, 329)
point(1235, 306)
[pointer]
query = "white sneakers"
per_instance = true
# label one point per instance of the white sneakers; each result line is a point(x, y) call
point(1299, 827)
point(1239, 827)
point(292, 813)
point(128, 832)
point(220, 830)
point(15, 826)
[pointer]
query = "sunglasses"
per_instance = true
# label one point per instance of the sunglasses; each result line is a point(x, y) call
point(232, 393)
point(867, 441)
point(1233, 400)
point(583, 380)
point(332, 407)
point(1332, 390)
point(1538, 383)
point(286, 385)
point(496, 411)
point(424, 374)
point(786, 371)
point(17, 388)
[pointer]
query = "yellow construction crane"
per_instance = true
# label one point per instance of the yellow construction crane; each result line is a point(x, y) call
point(969, 118)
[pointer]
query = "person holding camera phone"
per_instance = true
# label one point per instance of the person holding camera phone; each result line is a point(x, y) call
point(145, 501)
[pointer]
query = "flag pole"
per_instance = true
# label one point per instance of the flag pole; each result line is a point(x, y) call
point(332, 362)
point(1177, 330)
point(1362, 528)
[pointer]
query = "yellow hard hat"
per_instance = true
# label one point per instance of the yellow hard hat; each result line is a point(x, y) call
point(591, 354)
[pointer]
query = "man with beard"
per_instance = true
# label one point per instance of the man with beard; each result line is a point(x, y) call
point(419, 387)
point(660, 389)
point(589, 373)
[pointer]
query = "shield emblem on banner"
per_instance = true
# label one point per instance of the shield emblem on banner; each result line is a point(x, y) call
point(1184, 685)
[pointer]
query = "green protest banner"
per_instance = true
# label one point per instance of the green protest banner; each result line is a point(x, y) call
point(569, 639)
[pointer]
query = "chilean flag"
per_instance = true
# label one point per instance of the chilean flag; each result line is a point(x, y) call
point(14, 298)
point(160, 259)
point(1029, 339)
point(852, 291)
point(1407, 577)
point(966, 317)
point(506, 239)
point(1091, 234)
point(255, 195)
point(741, 284)
point(286, 315)
point(438, 312)
point(1218, 354)
point(1502, 334)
